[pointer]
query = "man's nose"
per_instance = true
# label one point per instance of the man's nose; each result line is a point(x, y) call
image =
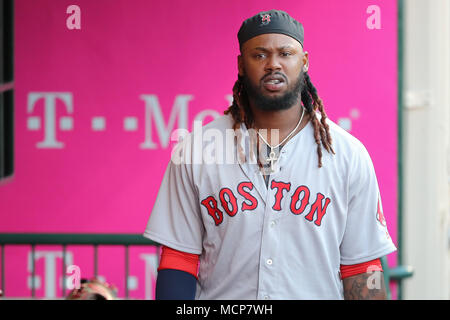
point(272, 64)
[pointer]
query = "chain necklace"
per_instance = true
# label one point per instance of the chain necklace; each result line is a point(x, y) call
point(272, 156)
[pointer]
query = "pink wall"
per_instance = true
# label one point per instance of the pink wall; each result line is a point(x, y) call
point(106, 181)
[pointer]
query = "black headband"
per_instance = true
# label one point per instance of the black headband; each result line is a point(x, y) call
point(273, 21)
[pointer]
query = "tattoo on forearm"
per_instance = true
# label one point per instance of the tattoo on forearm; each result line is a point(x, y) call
point(365, 286)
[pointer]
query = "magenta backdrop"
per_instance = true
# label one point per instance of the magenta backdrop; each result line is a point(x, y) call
point(184, 53)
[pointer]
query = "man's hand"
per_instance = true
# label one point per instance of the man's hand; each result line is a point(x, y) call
point(362, 287)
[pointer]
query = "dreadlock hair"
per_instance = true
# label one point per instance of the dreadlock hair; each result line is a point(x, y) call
point(241, 113)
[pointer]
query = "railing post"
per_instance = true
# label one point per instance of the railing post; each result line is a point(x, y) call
point(95, 260)
point(33, 271)
point(3, 270)
point(126, 271)
point(64, 271)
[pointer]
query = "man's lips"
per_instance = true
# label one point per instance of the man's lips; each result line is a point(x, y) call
point(273, 82)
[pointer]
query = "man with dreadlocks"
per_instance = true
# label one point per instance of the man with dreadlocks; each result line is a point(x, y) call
point(284, 220)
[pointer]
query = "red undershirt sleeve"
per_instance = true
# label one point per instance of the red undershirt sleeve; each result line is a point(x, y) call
point(178, 260)
point(352, 270)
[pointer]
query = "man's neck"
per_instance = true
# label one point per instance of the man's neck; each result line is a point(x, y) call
point(283, 120)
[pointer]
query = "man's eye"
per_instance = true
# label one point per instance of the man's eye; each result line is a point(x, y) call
point(285, 54)
point(260, 56)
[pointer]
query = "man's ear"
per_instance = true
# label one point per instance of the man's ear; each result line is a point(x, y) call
point(305, 61)
point(240, 65)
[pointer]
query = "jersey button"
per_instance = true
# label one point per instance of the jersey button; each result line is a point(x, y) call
point(266, 297)
point(269, 262)
point(272, 224)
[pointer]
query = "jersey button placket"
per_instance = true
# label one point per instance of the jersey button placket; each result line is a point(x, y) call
point(269, 248)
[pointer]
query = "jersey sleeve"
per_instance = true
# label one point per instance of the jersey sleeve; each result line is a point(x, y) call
point(366, 236)
point(175, 220)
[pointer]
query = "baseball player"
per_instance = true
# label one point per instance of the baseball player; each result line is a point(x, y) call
point(296, 214)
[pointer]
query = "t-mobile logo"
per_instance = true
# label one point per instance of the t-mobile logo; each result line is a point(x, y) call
point(50, 120)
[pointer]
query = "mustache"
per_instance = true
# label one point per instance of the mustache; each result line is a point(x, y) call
point(273, 74)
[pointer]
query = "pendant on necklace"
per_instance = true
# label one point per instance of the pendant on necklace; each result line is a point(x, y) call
point(272, 158)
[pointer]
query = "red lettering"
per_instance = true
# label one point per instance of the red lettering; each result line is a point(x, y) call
point(211, 205)
point(232, 200)
point(304, 201)
point(380, 215)
point(279, 195)
point(317, 206)
point(247, 196)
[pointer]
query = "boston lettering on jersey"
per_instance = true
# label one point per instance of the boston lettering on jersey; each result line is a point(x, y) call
point(299, 200)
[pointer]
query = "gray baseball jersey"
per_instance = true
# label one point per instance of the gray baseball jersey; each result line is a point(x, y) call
point(285, 240)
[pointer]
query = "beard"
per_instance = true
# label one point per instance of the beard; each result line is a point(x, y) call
point(283, 102)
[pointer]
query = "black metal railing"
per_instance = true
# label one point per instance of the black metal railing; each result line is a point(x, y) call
point(65, 239)
point(396, 274)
